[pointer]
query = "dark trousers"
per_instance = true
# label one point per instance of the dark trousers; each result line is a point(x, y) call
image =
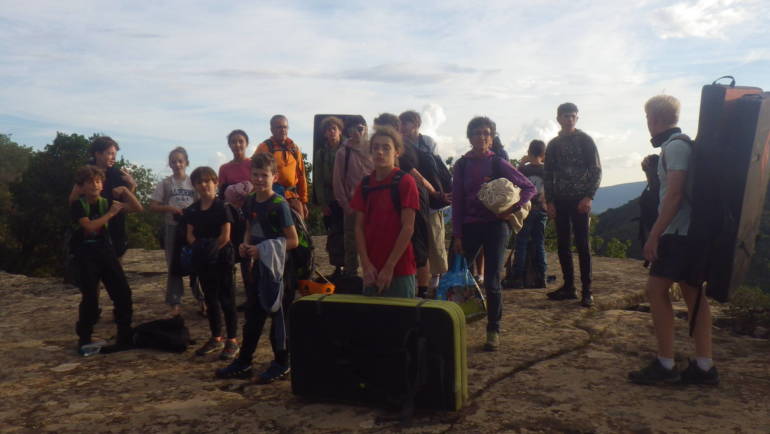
point(568, 221)
point(335, 235)
point(256, 317)
point(492, 236)
point(533, 232)
point(95, 264)
point(219, 294)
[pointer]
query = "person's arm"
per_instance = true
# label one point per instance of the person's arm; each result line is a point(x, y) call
point(94, 225)
point(190, 235)
point(75, 193)
point(528, 189)
point(156, 206)
point(549, 166)
point(130, 202)
point(370, 272)
point(458, 201)
point(224, 235)
point(421, 179)
point(385, 276)
point(292, 239)
point(668, 208)
point(594, 176)
point(339, 182)
point(301, 178)
point(128, 180)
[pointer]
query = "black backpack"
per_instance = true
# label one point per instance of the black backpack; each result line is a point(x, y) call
point(302, 258)
point(169, 334)
point(435, 171)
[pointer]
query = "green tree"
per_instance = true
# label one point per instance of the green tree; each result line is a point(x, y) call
point(14, 161)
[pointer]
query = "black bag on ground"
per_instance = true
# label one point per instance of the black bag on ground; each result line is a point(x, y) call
point(169, 334)
point(394, 352)
point(346, 284)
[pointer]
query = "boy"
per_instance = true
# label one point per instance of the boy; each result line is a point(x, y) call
point(269, 235)
point(572, 176)
point(385, 205)
point(96, 259)
point(531, 166)
point(209, 223)
point(668, 251)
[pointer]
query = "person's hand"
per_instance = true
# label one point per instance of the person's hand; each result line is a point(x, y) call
point(524, 160)
point(507, 214)
point(651, 248)
point(242, 249)
point(127, 178)
point(584, 206)
point(118, 192)
point(116, 208)
point(327, 211)
point(305, 211)
point(384, 278)
point(551, 210)
point(174, 210)
point(458, 246)
point(370, 273)
point(252, 251)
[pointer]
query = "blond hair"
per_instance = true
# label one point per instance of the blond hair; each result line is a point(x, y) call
point(664, 108)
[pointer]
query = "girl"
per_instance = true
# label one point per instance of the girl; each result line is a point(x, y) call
point(385, 204)
point(239, 168)
point(171, 197)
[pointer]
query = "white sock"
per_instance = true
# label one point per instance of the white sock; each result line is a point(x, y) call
point(704, 363)
point(666, 363)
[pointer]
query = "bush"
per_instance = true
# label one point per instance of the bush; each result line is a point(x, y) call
point(749, 308)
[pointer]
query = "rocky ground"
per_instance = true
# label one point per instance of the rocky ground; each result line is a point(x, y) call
point(561, 368)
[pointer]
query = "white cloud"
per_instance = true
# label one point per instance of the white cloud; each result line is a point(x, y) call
point(702, 18)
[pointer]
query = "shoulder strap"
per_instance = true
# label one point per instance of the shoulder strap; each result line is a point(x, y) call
point(683, 137)
point(394, 193)
point(365, 186)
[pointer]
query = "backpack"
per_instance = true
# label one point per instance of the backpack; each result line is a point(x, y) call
point(168, 334)
point(273, 148)
point(395, 195)
point(302, 258)
point(443, 176)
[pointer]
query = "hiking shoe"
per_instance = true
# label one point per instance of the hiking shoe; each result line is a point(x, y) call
point(230, 351)
point(273, 373)
point(211, 346)
point(654, 373)
point(587, 300)
point(493, 341)
point(695, 375)
point(563, 293)
point(236, 369)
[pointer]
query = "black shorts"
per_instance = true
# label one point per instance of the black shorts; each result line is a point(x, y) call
point(420, 239)
point(675, 259)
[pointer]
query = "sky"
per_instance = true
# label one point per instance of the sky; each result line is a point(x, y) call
point(156, 75)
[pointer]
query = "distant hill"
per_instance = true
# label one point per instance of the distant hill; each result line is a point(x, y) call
point(616, 195)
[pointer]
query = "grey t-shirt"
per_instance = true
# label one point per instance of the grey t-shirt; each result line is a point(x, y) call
point(677, 155)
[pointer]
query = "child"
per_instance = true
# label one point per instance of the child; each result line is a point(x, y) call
point(385, 205)
point(238, 169)
point(270, 234)
point(208, 232)
point(171, 197)
point(96, 259)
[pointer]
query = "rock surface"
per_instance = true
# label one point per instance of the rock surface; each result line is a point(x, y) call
point(561, 368)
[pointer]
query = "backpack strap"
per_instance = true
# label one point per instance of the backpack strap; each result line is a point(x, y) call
point(683, 137)
point(273, 148)
point(101, 204)
point(395, 195)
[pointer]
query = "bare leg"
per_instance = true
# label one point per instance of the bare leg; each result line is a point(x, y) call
point(702, 332)
point(662, 314)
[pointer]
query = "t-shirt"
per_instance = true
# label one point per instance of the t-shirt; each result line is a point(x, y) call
point(677, 155)
point(177, 193)
point(232, 173)
point(536, 174)
point(208, 223)
point(113, 178)
point(382, 223)
point(77, 212)
point(280, 219)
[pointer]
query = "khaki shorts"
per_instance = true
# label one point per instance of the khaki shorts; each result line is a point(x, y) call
point(437, 252)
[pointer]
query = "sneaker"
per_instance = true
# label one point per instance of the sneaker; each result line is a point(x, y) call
point(236, 369)
point(88, 347)
point(211, 346)
point(695, 375)
point(654, 373)
point(587, 300)
point(564, 293)
point(273, 373)
point(230, 351)
point(493, 341)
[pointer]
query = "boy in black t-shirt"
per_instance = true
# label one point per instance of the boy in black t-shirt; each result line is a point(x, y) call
point(209, 223)
point(95, 258)
point(269, 235)
point(531, 166)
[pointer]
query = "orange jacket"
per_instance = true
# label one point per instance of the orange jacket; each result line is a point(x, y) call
point(291, 167)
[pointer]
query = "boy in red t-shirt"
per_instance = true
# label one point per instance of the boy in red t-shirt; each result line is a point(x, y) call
point(385, 205)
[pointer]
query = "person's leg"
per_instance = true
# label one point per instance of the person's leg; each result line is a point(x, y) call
point(437, 252)
point(421, 247)
point(402, 287)
point(702, 331)
point(252, 328)
point(522, 241)
point(226, 297)
point(174, 283)
point(335, 235)
point(537, 236)
point(88, 310)
point(662, 314)
point(495, 236)
point(117, 287)
point(563, 242)
point(580, 225)
point(210, 282)
point(351, 253)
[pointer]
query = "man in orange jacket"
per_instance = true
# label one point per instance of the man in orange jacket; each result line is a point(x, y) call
point(291, 167)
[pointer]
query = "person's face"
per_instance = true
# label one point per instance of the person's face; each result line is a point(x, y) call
point(383, 152)
point(481, 139)
point(653, 126)
point(332, 134)
point(106, 158)
point(207, 188)
point(567, 121)
point(280, 130)
point(357, 132)
point(93, 187)
point(177, 162)
point(410, 129)
point(262, 180)
point(238, 145)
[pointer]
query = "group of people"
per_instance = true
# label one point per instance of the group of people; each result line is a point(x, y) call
point(383, 198)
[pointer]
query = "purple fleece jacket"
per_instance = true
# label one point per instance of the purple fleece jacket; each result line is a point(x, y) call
point(466, 206)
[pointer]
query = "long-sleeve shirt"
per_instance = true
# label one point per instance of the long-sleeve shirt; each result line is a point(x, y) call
point(359, 164)
point(466, 183)
point(572, 167)
point(323, 174)
point(291, 167)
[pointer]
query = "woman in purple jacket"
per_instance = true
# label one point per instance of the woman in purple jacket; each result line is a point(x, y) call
point(473, 225)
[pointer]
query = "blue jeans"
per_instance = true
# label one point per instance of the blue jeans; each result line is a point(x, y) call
point(493, 236)
point(534, 231)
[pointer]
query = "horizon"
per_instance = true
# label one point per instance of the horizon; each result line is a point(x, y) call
point(158, 76)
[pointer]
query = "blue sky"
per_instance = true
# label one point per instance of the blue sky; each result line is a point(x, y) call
point(162, 74)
